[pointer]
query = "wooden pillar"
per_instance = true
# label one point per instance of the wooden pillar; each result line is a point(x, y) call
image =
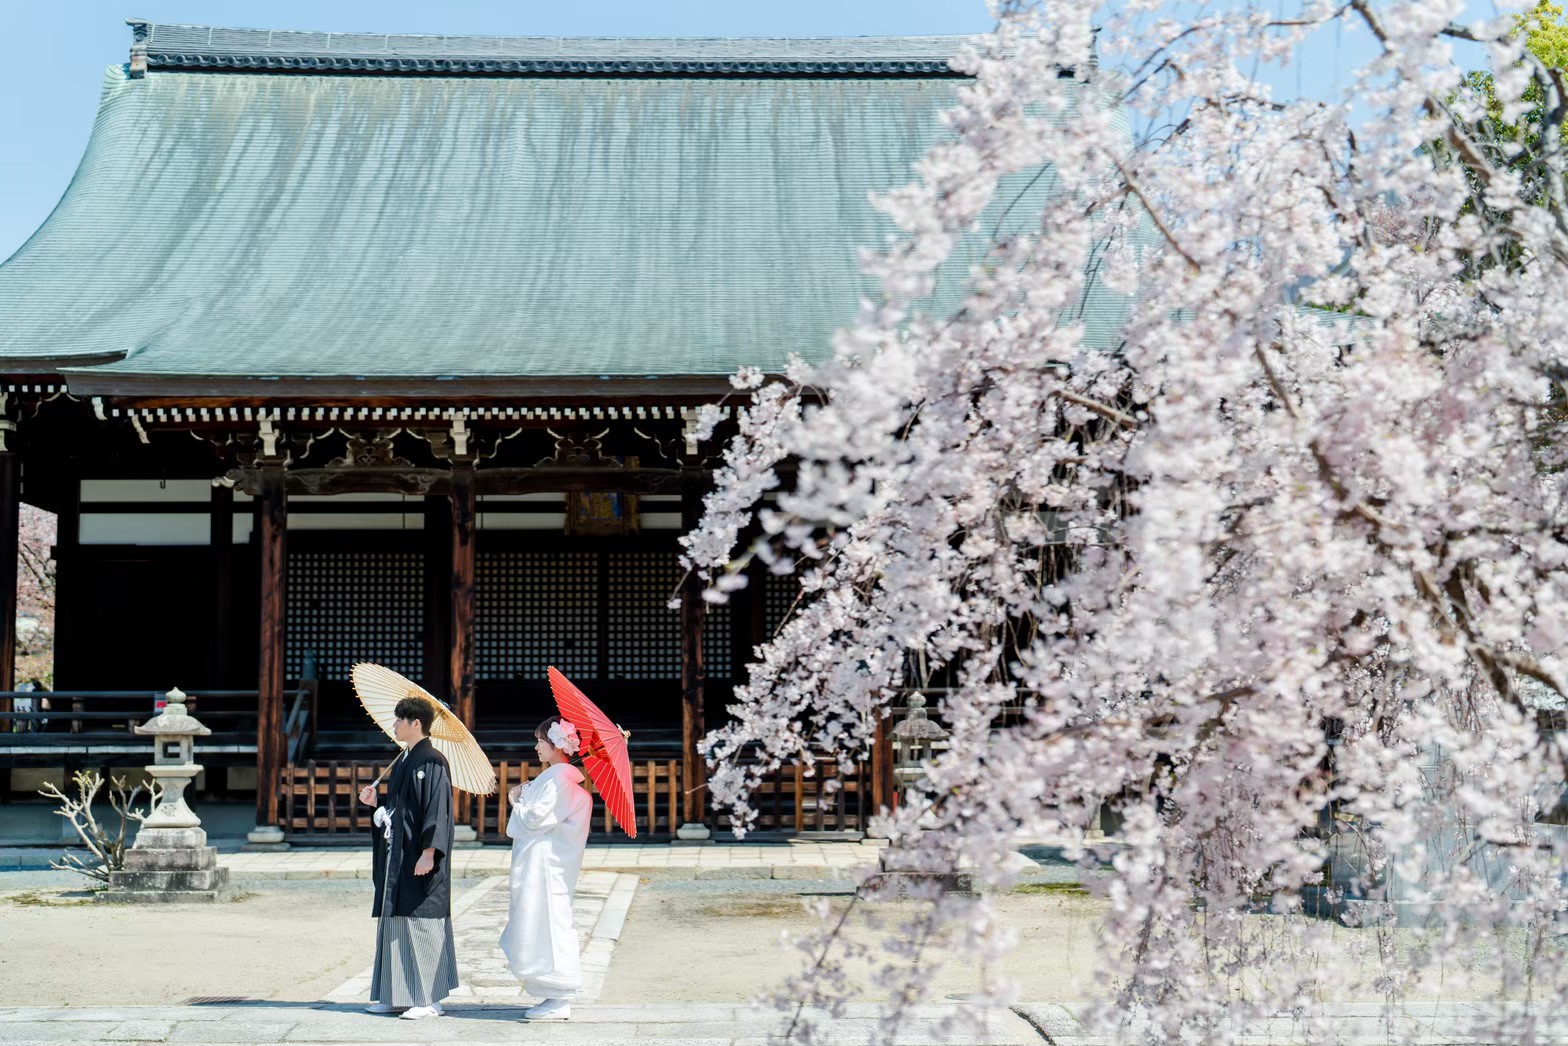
point(438, 612)
point(221, 536)
point(10, 523)
point(273, 511)
point(881, 768)
point(460, 672)
point(757, 619)
point(693, 727)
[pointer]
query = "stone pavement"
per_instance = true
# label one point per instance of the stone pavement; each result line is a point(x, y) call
point(742, 860)
point(1429, 1024)
point(1345, 1024)
point(487, 1008)
point(303, 1023)
point(599, 912)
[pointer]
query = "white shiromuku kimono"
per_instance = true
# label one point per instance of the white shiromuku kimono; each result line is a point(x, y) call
point(549, 828)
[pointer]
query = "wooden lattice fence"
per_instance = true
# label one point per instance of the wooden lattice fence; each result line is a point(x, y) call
point(795, 801)
point(318, 800)
point(321, 799)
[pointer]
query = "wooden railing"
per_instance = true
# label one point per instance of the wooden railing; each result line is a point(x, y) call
point(320, 799)
point(655, 788)
point(79, 722)
point(791, 801)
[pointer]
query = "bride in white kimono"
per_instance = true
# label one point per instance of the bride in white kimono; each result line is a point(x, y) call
point(549, 828)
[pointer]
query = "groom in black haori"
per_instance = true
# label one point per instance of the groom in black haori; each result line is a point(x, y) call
point(416, 963)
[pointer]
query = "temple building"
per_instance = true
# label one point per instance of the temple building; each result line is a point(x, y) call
point(352, 347)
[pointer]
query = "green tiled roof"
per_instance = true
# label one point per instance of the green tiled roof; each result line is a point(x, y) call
point(206, 47)
point(264, 225)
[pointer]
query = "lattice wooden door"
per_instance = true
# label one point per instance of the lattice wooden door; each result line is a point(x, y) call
point(355, 606)
point(535, 609)
point(644, 633)
point(592, 614)
point(779, 594)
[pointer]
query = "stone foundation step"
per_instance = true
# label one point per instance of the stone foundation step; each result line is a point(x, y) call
point(147, 860)
point(139, 881)
point(164, 896)
point(151, 838)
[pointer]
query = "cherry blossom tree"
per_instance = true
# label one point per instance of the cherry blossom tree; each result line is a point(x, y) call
point(1271, 562)
point(35, 596)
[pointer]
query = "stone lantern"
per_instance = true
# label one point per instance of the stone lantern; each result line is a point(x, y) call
point(915, 739)
point(170, 859)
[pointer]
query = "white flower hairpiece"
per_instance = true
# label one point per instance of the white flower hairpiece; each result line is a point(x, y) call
point(563, 735)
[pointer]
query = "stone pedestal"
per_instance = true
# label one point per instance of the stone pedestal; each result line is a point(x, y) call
point(168, 865)
point(465, 838)
point(694, 834)
point(900, 872)
point(266, 838)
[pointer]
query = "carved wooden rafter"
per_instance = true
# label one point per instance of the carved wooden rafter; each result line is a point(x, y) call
point(573, 452)
point(667, 449)
point(422, 481)
point(463, 445)
point(370, 452)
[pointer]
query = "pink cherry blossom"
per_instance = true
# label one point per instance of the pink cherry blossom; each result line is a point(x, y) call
point(1228, 497)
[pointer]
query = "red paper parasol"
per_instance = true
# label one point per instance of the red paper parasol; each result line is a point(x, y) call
point(603, 752)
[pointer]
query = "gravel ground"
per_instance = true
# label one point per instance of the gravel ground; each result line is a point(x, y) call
point(732, 940)
point(280, 940)
point(685, 941)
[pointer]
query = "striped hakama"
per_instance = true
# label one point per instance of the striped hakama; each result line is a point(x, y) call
point(416, 961)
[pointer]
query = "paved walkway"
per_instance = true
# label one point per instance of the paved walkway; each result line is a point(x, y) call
point(1346, 1024)
point(1428, 1024)
point(599, 912)
point(296, 1023)
point(487, 1008)
point(791, 860)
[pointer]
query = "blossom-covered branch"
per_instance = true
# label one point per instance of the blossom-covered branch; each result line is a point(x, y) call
point(1230, 497)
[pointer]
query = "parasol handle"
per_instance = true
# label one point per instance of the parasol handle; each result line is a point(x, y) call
point(377, 782)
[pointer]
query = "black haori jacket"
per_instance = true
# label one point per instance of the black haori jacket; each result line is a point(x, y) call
point(420, 798)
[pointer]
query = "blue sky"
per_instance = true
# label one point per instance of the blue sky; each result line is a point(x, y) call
point(53, 69)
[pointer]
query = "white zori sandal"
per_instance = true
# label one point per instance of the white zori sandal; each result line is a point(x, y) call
point(549, 1010)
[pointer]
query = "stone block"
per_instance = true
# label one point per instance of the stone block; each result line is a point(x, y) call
point(265, 838)
point(159, 896)
point(902, 861)
point(169, 839)
point(812, 871)
point(139, 1031)
point(241, 1030)
point(56, 1031)
point(163, 880)
point(1051, 1020)
point(896, 884)
point(191, 860)
point(739, 871)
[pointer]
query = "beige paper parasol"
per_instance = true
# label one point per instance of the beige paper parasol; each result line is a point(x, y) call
point(380, 689)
